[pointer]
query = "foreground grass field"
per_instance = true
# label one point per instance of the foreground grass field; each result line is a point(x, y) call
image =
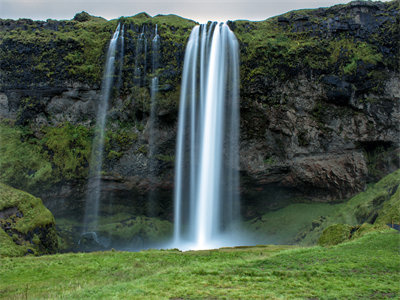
point(365, 268)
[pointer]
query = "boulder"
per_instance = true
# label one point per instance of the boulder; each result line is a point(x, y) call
point(335, 234)
point(26, 225)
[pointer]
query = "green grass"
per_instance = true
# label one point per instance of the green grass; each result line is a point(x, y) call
point(367, 268)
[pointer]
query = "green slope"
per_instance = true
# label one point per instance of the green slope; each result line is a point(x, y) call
point(366, 268)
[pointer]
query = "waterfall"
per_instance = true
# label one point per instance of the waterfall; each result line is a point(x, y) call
point(153, 121)
point(93, 194)
point(207, 161)
point(121, 57)
point(156, 49)
point(141, 48)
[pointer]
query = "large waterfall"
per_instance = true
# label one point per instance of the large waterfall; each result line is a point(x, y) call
point(93, 194)
point(207, 156)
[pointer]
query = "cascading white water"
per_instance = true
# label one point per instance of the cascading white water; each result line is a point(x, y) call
point(93, 194)
point(153, 121)
point(121, 56)
point(141, 49)
point(207, 161)
point(154, 90)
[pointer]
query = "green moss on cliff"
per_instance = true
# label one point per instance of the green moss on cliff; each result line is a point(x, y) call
point(118, 140)
point(346, 53)
point(277, 54)
point(22, 162)
point(76, 48)
point(171, 27)
point(31, 164)
point(174, 32)
point(307, 42)
point(68, 148)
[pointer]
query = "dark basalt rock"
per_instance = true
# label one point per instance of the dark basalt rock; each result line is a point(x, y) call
point(338, 90)
point(283, 19)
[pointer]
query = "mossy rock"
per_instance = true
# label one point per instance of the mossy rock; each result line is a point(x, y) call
point(84, 17)
point(367, 211)
point(335, 234)
point(390, 212)
point(26, 225)
point(136, 230)
point(367, 228)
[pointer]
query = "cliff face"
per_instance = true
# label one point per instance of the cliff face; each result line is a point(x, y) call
point(320, 93)
point(320, 98)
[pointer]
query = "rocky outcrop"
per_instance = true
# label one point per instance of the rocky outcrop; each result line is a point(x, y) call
point(26, 225)
point(319, 103)
point(325, 150)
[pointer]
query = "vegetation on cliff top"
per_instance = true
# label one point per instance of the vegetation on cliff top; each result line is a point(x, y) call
point(277, 48)
point(365, 268)
point(316, 43)
point(57, 50)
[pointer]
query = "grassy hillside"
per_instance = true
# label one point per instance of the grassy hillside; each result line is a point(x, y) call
point(367, 268)
point(303, 223)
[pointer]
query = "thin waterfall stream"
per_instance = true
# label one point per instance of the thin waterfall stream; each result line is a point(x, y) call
point(121, 57)
point(96, 160)
point(153, 121)
point(140, 51)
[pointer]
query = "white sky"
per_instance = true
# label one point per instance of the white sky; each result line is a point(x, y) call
point(201, 11)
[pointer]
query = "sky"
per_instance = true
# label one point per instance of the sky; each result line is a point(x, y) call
point(200, 11)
